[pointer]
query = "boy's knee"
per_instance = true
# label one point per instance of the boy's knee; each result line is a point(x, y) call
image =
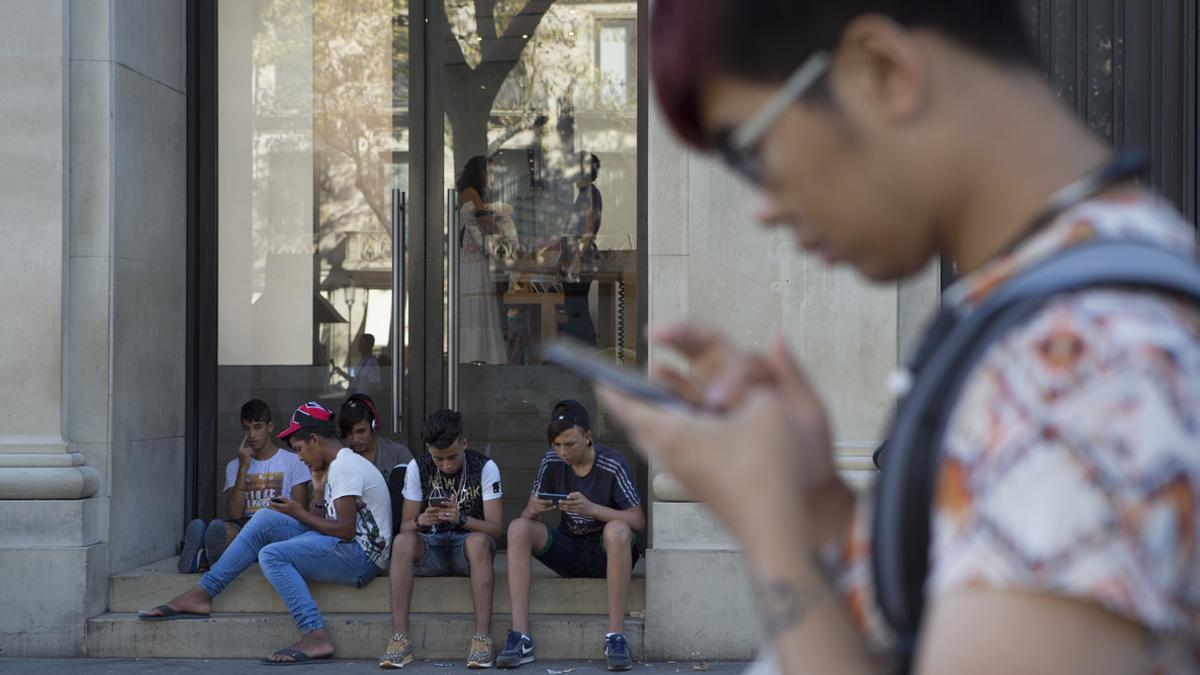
point(478, 545)
point(617, 533)
point(405, 544)
point(519, 529)
point(269, 554)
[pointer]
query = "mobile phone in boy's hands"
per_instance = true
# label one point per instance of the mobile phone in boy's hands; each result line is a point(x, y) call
point(552, 497)
point(278, 500)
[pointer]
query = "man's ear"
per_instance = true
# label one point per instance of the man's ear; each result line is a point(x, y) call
point(270, 427)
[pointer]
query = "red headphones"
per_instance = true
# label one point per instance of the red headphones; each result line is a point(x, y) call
point(370, 405)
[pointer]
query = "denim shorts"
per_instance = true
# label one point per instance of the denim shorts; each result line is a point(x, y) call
point(578, 557)
point(445, 554)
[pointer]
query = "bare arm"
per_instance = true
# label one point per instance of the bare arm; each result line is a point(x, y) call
point(987, 631)
point(634, 517)
point(342, 528)
point(408, 515)
point(486, 222)
point(300, 492)
point(536, 507)
point(493, 520)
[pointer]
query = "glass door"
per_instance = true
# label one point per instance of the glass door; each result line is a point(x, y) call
point(538, 168)
point(314, 166)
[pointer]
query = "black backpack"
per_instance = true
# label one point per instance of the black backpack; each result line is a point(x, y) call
point(950, 349)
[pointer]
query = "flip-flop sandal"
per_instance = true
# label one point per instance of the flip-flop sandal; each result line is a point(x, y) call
point(216, 540)
point(193, 548)
point(168, 613)
point(298, 658)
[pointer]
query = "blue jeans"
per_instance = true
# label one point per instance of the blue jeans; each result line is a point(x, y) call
point(445, 555)
point(289, 553)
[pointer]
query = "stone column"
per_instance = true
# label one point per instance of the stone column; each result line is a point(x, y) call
point(49, 548)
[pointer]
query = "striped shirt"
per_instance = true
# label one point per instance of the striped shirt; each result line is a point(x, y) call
point(609, 483)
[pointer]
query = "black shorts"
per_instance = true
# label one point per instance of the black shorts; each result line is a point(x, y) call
point(578, 557)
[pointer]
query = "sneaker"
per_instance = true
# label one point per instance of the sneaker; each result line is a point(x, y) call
point(399, 652)
point(216, 540)
point(191, 556)
point(481, 654)
point(518, 650)
point(616, 651)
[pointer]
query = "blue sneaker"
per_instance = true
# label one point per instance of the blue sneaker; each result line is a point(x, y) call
point(616, 651)
point(192, 553)
point(518, 650)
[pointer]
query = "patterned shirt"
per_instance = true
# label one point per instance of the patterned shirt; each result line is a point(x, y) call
point(1071, 465)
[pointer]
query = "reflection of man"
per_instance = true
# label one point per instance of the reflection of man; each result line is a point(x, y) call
point(365, 376)
point(579, 247)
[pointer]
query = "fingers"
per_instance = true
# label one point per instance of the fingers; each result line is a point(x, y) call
point(690, 338)
point(786, 369)
point(677, 383)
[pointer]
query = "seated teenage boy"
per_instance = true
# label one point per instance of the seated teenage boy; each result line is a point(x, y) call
point(359, 424)
point(452, 518)
point(360, 427)
point(260, 472)
point(342, 537)
point(602, 517)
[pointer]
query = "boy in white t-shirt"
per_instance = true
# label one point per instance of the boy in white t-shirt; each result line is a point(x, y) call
point(260, 472)
point(341, 537)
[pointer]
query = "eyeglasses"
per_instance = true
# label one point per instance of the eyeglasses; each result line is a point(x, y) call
point(738, 148)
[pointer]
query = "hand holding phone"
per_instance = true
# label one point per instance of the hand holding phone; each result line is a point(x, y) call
point(552, 497)
point(574, 356)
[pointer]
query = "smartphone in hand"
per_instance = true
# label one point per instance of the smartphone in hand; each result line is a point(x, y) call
point(552, 497)
point(576, 357)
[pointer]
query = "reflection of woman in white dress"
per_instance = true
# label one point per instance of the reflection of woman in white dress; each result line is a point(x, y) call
point(480, 337)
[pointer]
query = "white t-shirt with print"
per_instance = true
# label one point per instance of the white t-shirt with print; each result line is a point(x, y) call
point(350, 475)
point(265, 479)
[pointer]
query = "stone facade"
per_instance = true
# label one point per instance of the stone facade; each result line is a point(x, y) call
point(92, 274)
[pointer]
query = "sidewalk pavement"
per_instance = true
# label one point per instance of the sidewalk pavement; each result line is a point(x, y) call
point(247, 667)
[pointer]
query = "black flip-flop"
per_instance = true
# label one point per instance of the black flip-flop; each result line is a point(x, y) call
point(192, 553)
point(168, 613)
point(298, 658)
point(216, 540)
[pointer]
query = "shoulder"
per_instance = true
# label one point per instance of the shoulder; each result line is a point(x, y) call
point(611, 457)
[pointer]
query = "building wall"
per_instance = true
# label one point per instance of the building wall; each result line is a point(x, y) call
point(92, 197)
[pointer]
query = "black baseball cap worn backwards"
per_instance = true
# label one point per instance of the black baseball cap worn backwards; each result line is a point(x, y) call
point(571, 411)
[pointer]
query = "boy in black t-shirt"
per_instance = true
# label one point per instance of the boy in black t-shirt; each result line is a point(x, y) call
point(602, 518)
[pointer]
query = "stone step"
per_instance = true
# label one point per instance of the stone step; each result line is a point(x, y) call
point(154, 584)
point(356, 636)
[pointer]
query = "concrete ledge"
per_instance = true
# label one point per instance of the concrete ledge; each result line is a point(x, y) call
point(699, 606)
point(49, 522)
point(688, 526)
point(356, 636)
point(155, 584)
point(47, 594)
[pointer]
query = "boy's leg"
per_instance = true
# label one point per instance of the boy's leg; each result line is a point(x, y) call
point(406, 548)
point(525, 537)
point(618, 548)
point(480, 551)
point(318, 557)
point(265, 528)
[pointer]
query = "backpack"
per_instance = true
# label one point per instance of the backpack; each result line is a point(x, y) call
point(953, 344)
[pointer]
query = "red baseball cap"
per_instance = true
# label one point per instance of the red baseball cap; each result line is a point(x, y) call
point(311, 415)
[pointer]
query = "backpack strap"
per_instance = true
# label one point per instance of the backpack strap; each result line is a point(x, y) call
point(952, 346)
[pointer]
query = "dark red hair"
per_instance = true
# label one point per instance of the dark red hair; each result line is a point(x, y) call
point(683, 51)
point(764, 41)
